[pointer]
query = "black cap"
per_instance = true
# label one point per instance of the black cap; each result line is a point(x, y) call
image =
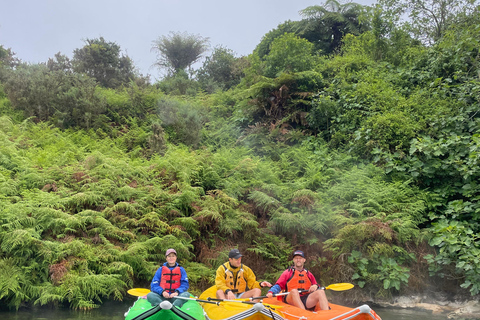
point(299, 253)
point(234, 254)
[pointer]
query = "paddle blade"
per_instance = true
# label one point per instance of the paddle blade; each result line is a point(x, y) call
point(340, 286)
point(138, 292)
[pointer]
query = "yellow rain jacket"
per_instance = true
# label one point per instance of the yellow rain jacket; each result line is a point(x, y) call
point(236, 279)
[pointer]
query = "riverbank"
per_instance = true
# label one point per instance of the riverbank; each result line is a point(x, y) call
point(452, 309)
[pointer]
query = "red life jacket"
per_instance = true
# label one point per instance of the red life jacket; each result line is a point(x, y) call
point(170, 278)
point(298, 280)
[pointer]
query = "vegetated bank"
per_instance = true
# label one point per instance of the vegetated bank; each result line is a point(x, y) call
point(366, 159)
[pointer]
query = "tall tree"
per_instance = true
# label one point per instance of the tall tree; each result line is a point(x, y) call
point(289, 53)
point(221, 70)
point(263, 48)
point(60, 63)
point(104, 62)
point(178, 51)
point(429, 19)
point(325, 25)
point(7, 57)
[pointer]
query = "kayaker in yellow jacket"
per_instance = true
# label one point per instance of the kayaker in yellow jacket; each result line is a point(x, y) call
point(298, 278)
point(235, 280)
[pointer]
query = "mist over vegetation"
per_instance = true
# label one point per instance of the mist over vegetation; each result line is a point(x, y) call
point(351, 134)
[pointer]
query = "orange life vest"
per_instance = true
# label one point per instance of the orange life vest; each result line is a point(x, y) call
point(236, 283)
point(298, 280)
point(170, 278)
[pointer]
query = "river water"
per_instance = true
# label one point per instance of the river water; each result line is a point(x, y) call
point(116, 311)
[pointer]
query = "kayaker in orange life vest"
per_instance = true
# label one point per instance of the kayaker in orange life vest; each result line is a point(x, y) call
point(296, 278)
point(235, 280)
point(169, 281)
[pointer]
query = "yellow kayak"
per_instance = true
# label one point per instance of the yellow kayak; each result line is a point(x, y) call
point(238, 309)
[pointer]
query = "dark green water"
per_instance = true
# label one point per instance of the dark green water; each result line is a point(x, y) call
point(116, 311)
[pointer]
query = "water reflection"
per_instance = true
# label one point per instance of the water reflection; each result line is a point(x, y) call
point(108, 311)
point(404, 314)
point(116, 310)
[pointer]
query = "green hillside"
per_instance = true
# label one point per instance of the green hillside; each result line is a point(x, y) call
point(348, 134)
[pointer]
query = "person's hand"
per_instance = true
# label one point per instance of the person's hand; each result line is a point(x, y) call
point(269, 294)
point(174, 294)
point(265, 284)
point(165, 294)
point(230, 295)
point(313, 287)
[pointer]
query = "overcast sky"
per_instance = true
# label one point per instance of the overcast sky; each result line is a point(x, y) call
point(37, 29)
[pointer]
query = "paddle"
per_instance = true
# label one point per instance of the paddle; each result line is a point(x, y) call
point(275, 295)
point(338, 287)
point(334, 287)
point(140, 292)
point(247, 300)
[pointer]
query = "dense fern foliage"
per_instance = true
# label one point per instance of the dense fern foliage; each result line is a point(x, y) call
point(366, 159)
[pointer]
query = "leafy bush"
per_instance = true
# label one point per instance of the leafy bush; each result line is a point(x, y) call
point(182, 121)
point(290, 54)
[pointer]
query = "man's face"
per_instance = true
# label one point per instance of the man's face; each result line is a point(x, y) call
point(235, 262)
point(171, 258)
point(299, 261)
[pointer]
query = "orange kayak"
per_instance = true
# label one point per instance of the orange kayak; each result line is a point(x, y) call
point(336, 312)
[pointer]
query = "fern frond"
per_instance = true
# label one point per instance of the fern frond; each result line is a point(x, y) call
point(263, 201)
point(132, 210)
point(207, 216)
point(11, 278)
point(83, 200)
point(199, 275)
point(305, 197)
point(286, 223)
point(49, 294)
point(152, 224)
point(82, 290)
point(20, 242)
point(189, 224)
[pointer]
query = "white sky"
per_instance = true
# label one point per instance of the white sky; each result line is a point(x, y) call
point(37, 29)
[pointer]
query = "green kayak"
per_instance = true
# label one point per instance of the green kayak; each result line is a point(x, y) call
point(142, 309)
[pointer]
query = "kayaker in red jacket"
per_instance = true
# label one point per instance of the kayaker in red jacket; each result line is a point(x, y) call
point(169, 281)
point(298, 278)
